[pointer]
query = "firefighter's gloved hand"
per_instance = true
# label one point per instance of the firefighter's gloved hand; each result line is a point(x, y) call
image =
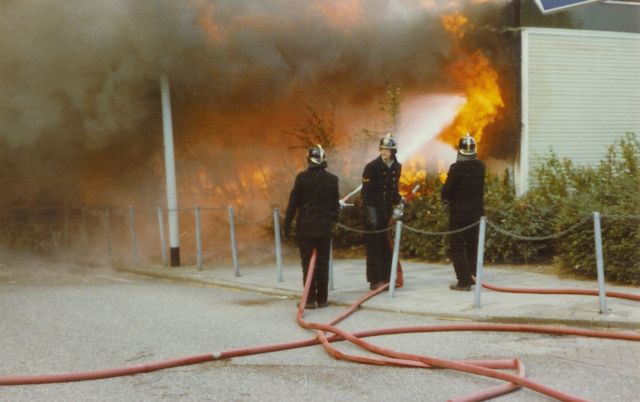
point(370, 218)
point(398, 211)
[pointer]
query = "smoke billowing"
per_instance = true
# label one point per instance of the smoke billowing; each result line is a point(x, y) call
point(80, 118)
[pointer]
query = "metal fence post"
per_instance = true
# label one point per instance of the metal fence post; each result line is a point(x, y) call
point(65, 240)
point(480, 260)
point(276, 233)
point(331, 287)
point(232, 234)
point(198, 239)
point(85, 236)
point(134, 239)
point(163, 243)
point(602, 294)
point(394, 260)
point(107, 227)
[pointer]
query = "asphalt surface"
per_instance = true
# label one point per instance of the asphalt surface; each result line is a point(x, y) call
point(60, 318)
point(426, 291)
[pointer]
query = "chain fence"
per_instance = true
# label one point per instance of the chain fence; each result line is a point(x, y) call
point(446, 233)
point(538, 238)
point(362, 231)
point(130, 235)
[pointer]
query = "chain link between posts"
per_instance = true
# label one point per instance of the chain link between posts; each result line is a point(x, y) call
point(505, 232)
point(494, 226)
point(538, 238)
point(423, 232)
point(621, 217)
point(340, 225)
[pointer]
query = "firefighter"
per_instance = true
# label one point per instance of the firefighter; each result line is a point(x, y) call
point(463, 192)
point(379, 195)
point(314, 203)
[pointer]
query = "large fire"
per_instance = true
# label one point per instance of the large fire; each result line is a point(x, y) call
point(473, 74)
point(240, 75)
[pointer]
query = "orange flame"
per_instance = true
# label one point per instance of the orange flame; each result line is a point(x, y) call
point(454, 23)
point(473, 73)
point(442, 172)
point(413, 172)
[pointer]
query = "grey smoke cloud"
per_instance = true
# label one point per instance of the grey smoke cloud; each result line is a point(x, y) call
point(79, 97)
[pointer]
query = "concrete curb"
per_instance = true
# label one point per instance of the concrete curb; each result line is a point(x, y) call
point(475, 316)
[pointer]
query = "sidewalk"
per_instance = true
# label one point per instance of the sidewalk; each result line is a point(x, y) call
point(426, 291)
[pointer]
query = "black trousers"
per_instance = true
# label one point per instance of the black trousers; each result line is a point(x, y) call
point(463, 249)
point(320, 282)
point(379, 251)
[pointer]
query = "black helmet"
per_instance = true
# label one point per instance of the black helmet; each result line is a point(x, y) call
point(316, 155)
point(388, 142)
point(467, 145)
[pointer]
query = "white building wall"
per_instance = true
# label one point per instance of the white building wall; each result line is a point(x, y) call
point(580, 92)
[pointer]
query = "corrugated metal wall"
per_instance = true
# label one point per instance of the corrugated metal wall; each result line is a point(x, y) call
point(580, 92)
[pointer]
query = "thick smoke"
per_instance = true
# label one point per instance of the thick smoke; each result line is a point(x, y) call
point(80, 114)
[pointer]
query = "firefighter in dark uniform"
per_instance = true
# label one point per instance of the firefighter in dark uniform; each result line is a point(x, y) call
point(379, 195)
point(463, 191)
point(314, 199)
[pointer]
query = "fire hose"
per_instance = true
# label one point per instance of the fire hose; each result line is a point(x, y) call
point(488, 368)
point(583, 292)
point(484, 368)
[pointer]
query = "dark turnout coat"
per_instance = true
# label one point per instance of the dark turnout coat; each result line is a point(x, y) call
point(464, 190)
point(315, 200)
point(379, 195)
point(380, 185)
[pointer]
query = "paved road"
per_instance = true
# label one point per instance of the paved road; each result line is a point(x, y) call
point(64, 318)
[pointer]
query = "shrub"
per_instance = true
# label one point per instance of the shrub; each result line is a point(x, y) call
point(352, 218)
point(426, 213)
point(613, 189)
point(526, 216)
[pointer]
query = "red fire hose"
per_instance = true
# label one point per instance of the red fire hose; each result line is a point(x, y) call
point(487, 368)
point(410, 360)
point(585, 292)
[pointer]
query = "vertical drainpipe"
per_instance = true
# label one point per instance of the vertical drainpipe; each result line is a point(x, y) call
point(522, 174)
point(170, 173)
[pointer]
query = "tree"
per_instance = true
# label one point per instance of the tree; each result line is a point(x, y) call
point(316, 129)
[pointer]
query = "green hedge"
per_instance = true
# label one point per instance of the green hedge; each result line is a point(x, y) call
point(613, 189)
point(559, 209)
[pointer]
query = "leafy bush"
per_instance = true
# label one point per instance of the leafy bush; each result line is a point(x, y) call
point(613, 189)
point(352, 218)
point(525, 216)
point(426, 213)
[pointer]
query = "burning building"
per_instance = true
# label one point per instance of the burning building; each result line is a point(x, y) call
point(81, 111)
point(81, 118)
